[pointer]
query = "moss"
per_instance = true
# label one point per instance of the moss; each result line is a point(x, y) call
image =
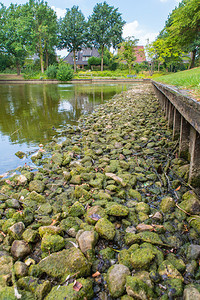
point(195, 223)
point(66, 262)
point(37, 186)
point(76, 210)
point(136, 288)
point(115, 209)
point(107, 253)
point(167, 204)
point(68, 293)
point(105, 229)
point(174, 287)
point(52, 243)
point(94, 213)
point(30, 235)
point(124, 258)
point(135, 195)
point(142, 207)
point(167, 270)
point(176, 262)
point(141, 258)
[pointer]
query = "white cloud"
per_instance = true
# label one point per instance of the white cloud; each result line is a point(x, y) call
point(59, 11)
point(133, 29)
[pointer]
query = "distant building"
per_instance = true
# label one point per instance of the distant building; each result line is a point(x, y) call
point(139, 53)
point(82, 57)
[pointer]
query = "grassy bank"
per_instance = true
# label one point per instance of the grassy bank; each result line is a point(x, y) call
point(189, 79)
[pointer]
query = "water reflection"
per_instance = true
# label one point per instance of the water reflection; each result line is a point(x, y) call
point(29, 112)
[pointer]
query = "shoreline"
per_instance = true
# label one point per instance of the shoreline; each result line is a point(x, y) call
point(108, 204)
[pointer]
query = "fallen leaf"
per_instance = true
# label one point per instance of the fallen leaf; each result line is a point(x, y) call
point(77, 286)
point(97, 273)
point(178, 188)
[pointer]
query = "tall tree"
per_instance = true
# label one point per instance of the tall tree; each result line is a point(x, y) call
point(44, 30)
point(73, 31)
point(105, 27)
point(127, 51)
point(16, 34)
point(184, 29)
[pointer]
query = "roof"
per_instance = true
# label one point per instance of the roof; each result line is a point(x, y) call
point(82, 56)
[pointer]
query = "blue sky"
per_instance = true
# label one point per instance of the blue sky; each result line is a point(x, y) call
point(144, 18)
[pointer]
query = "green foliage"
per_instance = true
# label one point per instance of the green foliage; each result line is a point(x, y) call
point(51, 71)
point(65, 72)
point(127, 51)
point(73, 31)
point(105, 27)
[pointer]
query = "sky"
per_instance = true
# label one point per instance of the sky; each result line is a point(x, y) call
point(144, 18)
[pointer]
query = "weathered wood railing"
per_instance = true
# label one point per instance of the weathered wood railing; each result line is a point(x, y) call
point(183, 115)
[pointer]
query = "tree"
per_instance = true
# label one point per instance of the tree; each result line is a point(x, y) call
point(105, 27)
point(15, 34)
point(73, 32)
point(44, 30)
point(127, 51)
point(184, 28)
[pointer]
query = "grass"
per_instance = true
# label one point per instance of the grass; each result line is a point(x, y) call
point(189, 80)
point(11, 77)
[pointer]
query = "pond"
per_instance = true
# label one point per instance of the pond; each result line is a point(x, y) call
point(31, 113)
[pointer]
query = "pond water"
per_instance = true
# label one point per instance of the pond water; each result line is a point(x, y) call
point(30, 114)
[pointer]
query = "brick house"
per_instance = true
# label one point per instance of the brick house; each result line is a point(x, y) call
point(82, 57)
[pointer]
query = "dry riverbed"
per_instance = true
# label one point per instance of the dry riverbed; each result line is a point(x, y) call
point(107, 215)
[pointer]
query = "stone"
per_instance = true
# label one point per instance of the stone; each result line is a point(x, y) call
point(135, 195)
point(51, 229)
point(167, 270)
point(144, 227)
point(16, 230)
point(190, 203)
point(52, 243)
point(20, 249)
point(115, 209)
point(167, 204)
point(116, 279)
point(86, 240)
point(68, 293)
point(142, 207)
point(66, 262)
point(178, 263)
point(6, 264)
point(94, 213)
point(77, 210)
point(191, 293)
point(141, 258)
point(193, 252)
point(105, 229)
point(138, 289)
point(21, 269)
point(13, 203)
point(30, 235)
point(21, 180)
point(34, 196)
point(37, 186)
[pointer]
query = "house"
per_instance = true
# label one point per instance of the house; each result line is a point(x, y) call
point(82, 57)
point(139, 54)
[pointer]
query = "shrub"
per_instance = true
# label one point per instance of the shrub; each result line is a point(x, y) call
point(64, 72)
point(51, 72)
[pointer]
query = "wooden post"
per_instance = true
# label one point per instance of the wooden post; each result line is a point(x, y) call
point(170, 114)
point(184, 138)
point(194, 147)
point(176, 123)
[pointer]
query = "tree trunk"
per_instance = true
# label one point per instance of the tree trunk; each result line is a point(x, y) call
point(41, 55)
point(47, 59)
point(74, 61)
point(102, 49)
point(193, 56)
point(18, 68)
point(158, 67)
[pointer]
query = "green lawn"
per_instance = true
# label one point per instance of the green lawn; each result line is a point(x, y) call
point(189, 79)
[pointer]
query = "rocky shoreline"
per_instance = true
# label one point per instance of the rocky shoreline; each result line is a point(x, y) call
point(107, 215)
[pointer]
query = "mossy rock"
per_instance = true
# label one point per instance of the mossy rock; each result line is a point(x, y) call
point(68, 293)
point(135, 195)
point(146, 236)
point(167, 270)
point(94, 213)
point(178, 263)
point(8, 293)
point(141, 258)
point(107, 253)
point(116, 279)
point(105, 229)
point(167, 204)
point(142, 207)
point(195, 223)
point(81, 194)
point(70, 222)
point(37, 186)
point(57, 159)
point(77, 210)
point(138, 289)
point(115, 209)
point(30, 235)
point(124, 258)
point(52, 243)
point(66, 262)
point(34, 196)
point(49, 230)
point(190, 203)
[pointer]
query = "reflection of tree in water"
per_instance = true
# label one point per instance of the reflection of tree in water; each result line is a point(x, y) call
point(29, 111)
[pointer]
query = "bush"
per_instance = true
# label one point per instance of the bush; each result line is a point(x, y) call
point(51, 72)
point(64, 72)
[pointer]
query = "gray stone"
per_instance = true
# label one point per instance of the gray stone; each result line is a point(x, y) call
point(86, 240)
point(13, 203)
point(193, 252)
point(191, 293)
point(116, 278)
point(20, 249)
point(16, 230)
point(21, 269)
